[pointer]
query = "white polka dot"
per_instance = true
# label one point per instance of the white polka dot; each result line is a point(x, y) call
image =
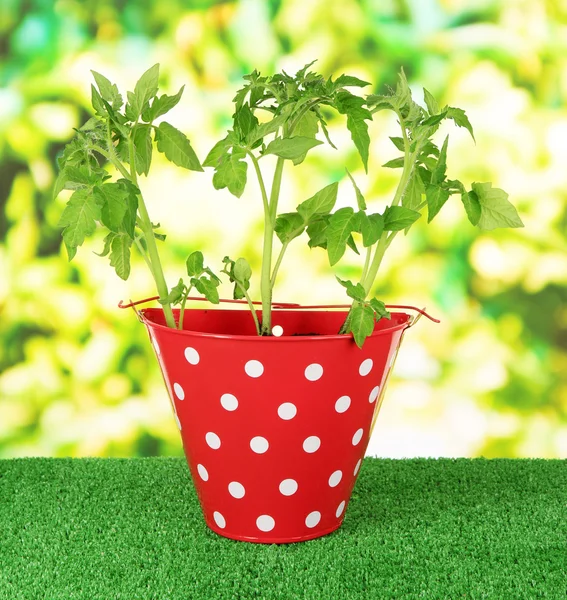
point(178, 421)
point(229, 402)
point(179, 391)
point(366, 367)
point(203, 473)
point(313, 519)
point(288, 487)
point(219, 519)
point(357, 437)
point(254, 368)
point(259, 444)
point(311, 444)
point(314, 372)
point(374, 394)
point(277, 330)
point(287, 411)
point(192, 356)
point(335, 478)
point(213, 440)
point(236, 489)
point(357, 467)
point(265, 523)
point(340, 509)
point(342, 404)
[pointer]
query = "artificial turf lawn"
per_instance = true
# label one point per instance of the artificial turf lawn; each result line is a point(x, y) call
point(132, 529)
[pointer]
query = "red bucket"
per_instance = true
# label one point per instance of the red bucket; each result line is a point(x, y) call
point(274, 428)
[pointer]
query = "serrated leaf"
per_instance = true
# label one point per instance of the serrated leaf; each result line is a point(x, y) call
point(352, 244)
point(317, 232)
point(291, 148)
point(372, 227)
point(472, 206)
point(434, 120)
point(231, 173)
point(195, 264)
point(161, 105)
point(399, 143)
point(108, 91)
point(438, 173)
point(379, 309)
point(244, 121)
point(338, 231)
point(145, 89)
point(436, 198)
point(79, 218)
point(415, 189)
point(458, 115)
point(143, 147)
point(321, 203)
point(352, 106)
point(495, 208)
point(430, 102)
point(361, 323)
point(360, 201)
point(397, 218)
point(264, 129)
point(289, 226)
point(207, 287)
point(217, 151)
point(307, 126)
point(175, 294)
point(120, 255)
point(96, 101)
point(176, 147)
point(106, 248)
point(112, 197)
point(357, 292)
point(395, 163)
point(350, 81)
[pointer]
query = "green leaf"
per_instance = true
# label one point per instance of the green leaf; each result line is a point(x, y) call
point(415, 189)
point(207, 287)
point(321, 203)
point(176, 147)
point(107, 242)
point(431, 103)
point(472, 206)
point(399, 143)
point(395, 163)
point(352, 106)
point(438, 174)
point(195, 264)
point(98, 104)
point(357, 292)
point(146, 88)
point(397, 218)
point(434, 120)
point(231, 173)
point(361, 323)
point(338, 232)
point(289, 226)
point(242, 271)
point(129, 222)
point(120, 254)
point(291, 148)
point(264, 129)
point(143, 147)
point(360, 201)
point(317, 232)
point(175, 294)
point(379, 309)
point(307, 126)
point(436, 198)
point(372, 227)
point(496, 209)
point(352, 244)
point(349, 80)
point(161, 105)
point(108, 91)
point(217, 152)
point(112, 197)
point(79, 218)
point(244, 121)
point(458, 115)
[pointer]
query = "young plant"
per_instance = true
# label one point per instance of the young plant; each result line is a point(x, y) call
point(123, 136)
point(294, 105)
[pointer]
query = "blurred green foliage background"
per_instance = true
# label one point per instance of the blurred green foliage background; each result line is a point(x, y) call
point(77, 375)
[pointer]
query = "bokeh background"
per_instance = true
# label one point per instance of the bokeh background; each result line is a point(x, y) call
point(77, 375)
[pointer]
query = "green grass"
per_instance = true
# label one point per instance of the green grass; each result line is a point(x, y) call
point(132, 529)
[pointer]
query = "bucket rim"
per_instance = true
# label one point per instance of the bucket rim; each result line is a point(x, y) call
point(269, 338)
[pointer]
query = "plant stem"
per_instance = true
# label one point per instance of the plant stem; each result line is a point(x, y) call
point(269, 220)
point(260, 181)
point(153, 254)
point(366, 263)
point(182, 308)
point(278, 263)
point(250, 305)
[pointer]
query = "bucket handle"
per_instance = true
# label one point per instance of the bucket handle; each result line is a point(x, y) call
point(291, 305)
